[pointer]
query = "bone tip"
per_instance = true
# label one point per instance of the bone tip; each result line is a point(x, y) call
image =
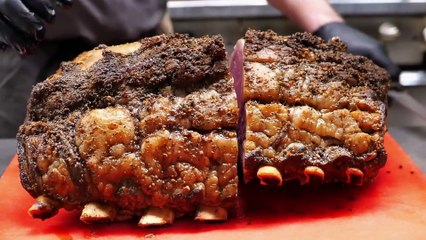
point(354, 176)
point(269, 176)
point(312, 172)
point(156, 216)
point(97, 212)
point(211, 214)
point(43, 208)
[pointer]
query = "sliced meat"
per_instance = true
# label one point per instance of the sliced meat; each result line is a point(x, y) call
point(154, 128)
point(313, 110)
point(145, 129)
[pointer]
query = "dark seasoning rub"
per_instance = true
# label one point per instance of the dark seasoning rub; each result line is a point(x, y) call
point(314, 111)
point(149, 128)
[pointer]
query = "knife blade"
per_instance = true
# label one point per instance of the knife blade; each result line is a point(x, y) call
point(409, 102)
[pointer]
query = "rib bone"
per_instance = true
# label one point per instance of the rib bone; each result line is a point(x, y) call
point(355, 176)
point(269, 176)
point(313, 171)
point(211, 214)
point(156, 216)
point(97, 212)
point(43, 208)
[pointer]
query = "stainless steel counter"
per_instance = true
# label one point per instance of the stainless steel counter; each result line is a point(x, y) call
point(217, 9)
point(7, 150)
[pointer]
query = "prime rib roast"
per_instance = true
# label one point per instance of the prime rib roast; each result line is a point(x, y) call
point(164, 127)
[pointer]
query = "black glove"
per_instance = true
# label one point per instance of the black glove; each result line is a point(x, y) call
point(360, 43)
point(22, 22)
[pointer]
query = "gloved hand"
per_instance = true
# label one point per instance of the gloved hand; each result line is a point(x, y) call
point(22, 22)
point(360, 43)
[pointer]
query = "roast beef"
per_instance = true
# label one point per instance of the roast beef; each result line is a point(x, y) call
point(314, 111)
point(155, 128)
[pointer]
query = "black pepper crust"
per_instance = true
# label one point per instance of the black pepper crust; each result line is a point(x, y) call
point(311, 103)
point(150, 126)
point(339, 65)
point(160, 61)
point(156, 125)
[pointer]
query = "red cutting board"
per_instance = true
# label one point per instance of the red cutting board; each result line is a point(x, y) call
point(392, 207)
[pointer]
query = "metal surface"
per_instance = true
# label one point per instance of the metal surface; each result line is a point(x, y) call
point(409, 102)
point(412, 78)
point(7, 150)
point(259, 8)
point(413, 141)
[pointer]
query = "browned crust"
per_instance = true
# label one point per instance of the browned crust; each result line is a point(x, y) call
point(175, 69)
point(57, 160)
point(303, 70)
point(163, 60)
